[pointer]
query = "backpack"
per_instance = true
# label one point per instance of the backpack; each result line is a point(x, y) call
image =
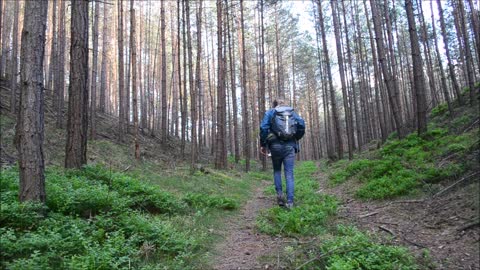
point(283, 124)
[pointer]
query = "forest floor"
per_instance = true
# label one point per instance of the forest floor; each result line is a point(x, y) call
point(442, 227)
point(243, 245)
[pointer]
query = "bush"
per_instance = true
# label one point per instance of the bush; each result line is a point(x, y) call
point(440, 110)
point(401, 166)
point(352, 249)
point(198, 200)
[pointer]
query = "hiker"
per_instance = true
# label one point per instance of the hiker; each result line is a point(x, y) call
point(280, 130)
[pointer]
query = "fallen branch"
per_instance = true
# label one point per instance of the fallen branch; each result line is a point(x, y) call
point(128, 168)
point(383, 228)
point(468, 226)
point(473, 124)
point(368, 214)
point(455, 184)
point(409, 201)
point(413, 243)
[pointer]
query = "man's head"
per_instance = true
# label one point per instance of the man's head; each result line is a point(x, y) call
point(279, 102)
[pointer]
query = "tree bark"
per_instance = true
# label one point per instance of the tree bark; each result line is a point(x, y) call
point(121, 76)
point(30, 118)
point(164, 125)
point(221, 149)
point(348, 115)
point(133, 57)
point(77, 125)
point(60, 76)
point(418, 79)
point(93, 84)
point(386, 72)
point(336, 122)
point(451, 67)
point(14, 66)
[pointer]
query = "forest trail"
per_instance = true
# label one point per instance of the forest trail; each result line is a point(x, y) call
point(243, 245)
point(437, 228)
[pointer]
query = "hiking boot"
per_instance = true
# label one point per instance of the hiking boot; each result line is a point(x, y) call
point(290, 205)
point(280, 200)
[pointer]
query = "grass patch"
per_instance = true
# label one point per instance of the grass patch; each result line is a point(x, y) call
point(400, 167)
point(353, 249)
point(311, 210)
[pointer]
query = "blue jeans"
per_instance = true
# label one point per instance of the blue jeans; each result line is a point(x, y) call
point(283, 153)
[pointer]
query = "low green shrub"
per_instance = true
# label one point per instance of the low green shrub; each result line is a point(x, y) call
point(198, 200)
point(441, 109)
point(401, 166)
point(353, 249)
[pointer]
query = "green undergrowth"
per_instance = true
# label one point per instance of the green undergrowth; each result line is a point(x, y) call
point(348, 248)
point(97, 218)
point(402, 167)
point(311, 212)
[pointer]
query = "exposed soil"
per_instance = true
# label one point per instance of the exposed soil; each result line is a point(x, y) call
point(447, 225)
point(243, 245)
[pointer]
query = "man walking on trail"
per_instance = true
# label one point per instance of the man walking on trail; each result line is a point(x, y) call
point(280, 130)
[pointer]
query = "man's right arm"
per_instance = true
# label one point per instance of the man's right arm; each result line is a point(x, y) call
point(265, 128)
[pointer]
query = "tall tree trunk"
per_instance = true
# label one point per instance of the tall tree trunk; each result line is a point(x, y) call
point(220, 155)
point(191, 84)
point(76, 147)
point(164, 125)
point(451, 67)
point(246, 127)
point(386, 72)
point(336, 121)
point(342, 79)
point(121, 77)
point(476, 28)
point(261, 93)
point(60, 76)
point(468, 52)
point(233, 85)
point(133, 51)
point(417, 70)
point(14, 69)
point(93, 84)
point(53, 49)
point(30, 118)
point(440, 65)
point(105, 45)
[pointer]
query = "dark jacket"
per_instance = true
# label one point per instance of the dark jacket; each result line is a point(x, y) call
point(266, 125)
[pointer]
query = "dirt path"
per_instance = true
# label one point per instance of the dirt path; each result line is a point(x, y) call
point(446, 226)
point(243, 245)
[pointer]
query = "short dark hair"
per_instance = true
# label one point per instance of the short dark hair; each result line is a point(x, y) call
point(278, 102)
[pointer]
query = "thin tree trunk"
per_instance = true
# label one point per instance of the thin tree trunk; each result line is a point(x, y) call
point(121, 77)
point(440, 65)
point(30, 119)
point(336, 122)
point(60, 76)
point(76, 147)
point(105, 45)
point(220, 155)
point(468, 52)
point(246, 127)
point(53, 49)
point(417, 70)
point(451, 67)
point(342, 80)
point(93, 85)
point(386, 72)
point(133, 51)
point(14, 69)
